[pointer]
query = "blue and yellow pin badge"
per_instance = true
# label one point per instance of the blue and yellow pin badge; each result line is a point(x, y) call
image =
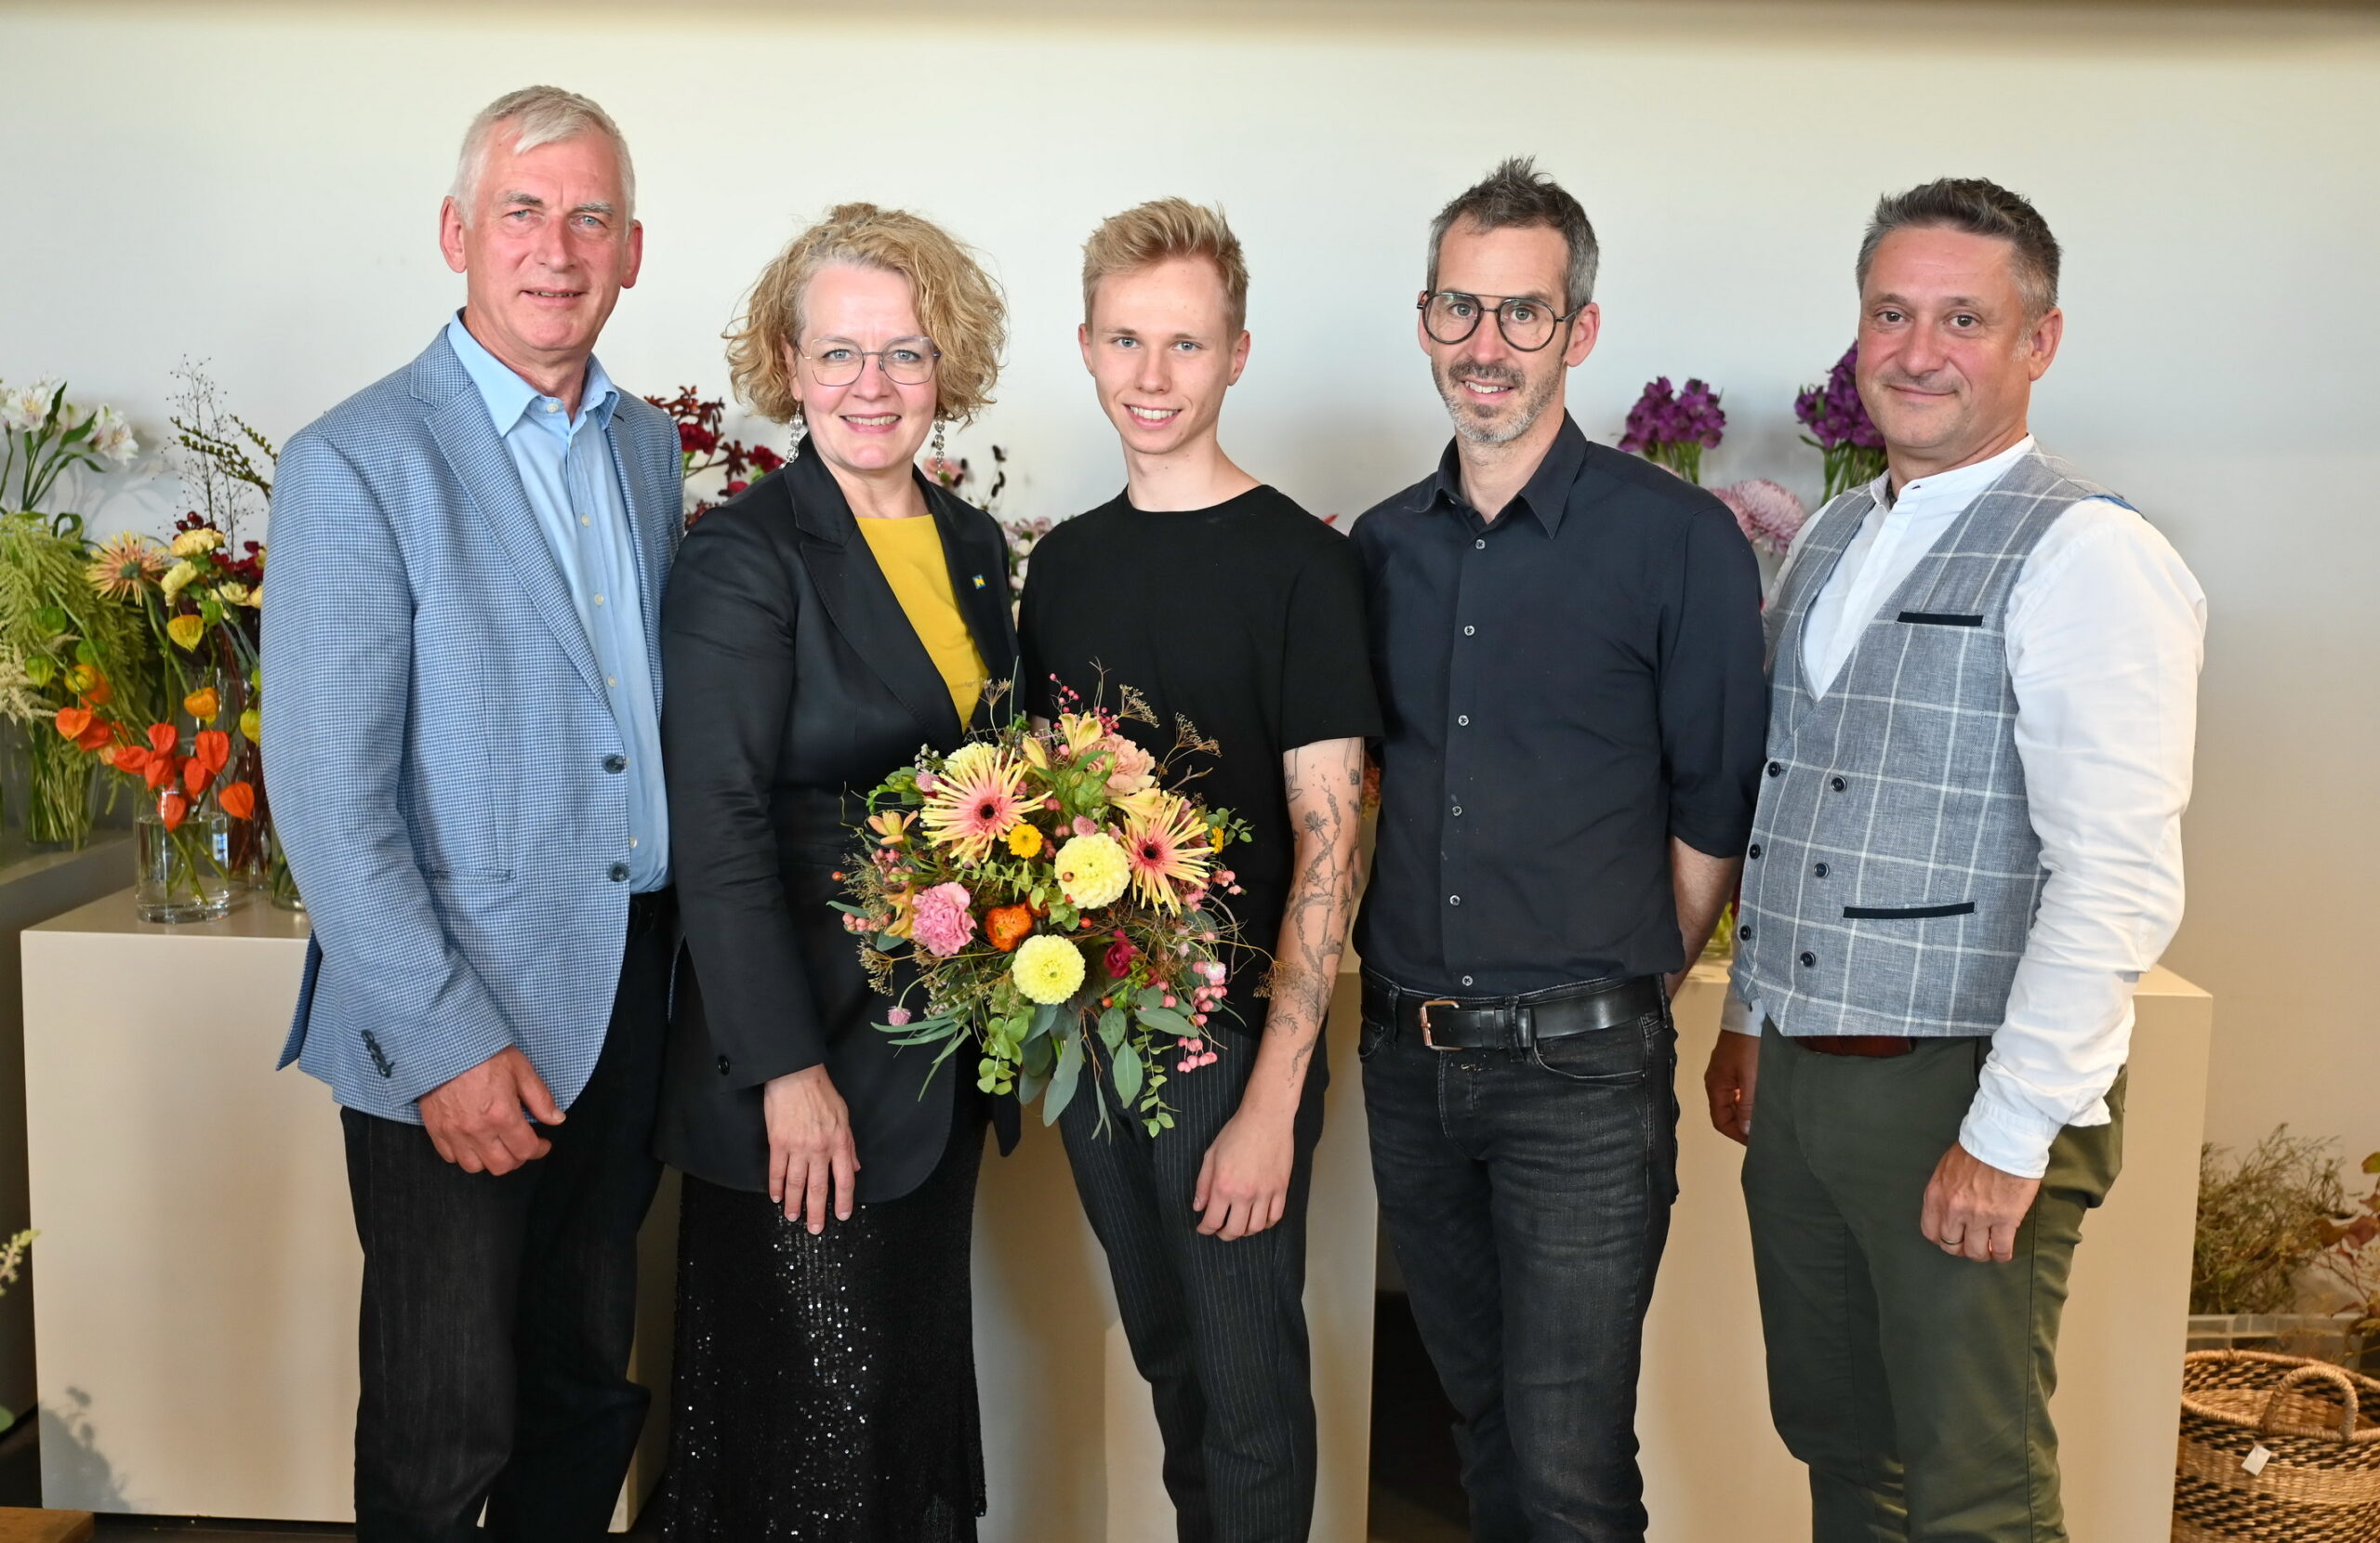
point(979, 581)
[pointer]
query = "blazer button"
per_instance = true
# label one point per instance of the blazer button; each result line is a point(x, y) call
point(1819, 870)
point(1744, 931)
point(1754, 854)
point(725, 1066)
point(619, 873)
point(1809, 960)
point(1777, 768)
point(615, 763)
point(1837, 784)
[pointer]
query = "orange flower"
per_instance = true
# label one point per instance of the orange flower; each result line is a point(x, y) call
point(72, 721)
point(195, 776)
point(100, 693)
point(212, 750)
point(163, 738)
point(132, 760)
point(239, 801)
point(1008, 926)
point(96, 737)
point(203, 703)
point(171, 808)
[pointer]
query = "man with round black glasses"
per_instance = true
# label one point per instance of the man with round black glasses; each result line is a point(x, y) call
point(1568, 644)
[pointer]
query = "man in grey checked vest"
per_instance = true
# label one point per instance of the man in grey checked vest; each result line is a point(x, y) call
point(1984, 686)
point(463, 747)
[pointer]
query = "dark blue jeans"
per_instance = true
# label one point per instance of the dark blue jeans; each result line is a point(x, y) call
point(1527, 1197)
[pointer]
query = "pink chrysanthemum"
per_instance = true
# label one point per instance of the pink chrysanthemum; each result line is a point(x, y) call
point(976, 802)
point(944, 924)
point(1768, 515)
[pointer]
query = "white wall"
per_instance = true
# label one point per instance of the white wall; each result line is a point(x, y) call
point(259, 187)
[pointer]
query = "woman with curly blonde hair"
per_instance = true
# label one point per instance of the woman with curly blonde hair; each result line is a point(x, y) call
point(819, 627)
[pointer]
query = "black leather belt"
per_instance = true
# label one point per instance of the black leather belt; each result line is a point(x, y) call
point(1511, 1022)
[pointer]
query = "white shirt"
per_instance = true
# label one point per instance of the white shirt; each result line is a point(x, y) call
point(2105, 632)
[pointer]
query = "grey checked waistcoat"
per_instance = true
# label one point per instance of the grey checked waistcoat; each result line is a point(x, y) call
point(1893, 871)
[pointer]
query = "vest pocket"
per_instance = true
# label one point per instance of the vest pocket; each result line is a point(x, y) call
point(1907, 913)
point(1939, 618)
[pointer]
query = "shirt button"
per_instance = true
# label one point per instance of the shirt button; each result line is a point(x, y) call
point(584, 521)
point(1819, 870)
point(611, 680)
point(554, 406)
point(1777, 768)
point(631, 841)
point(619, 873)
point(1837, 784)
point(1454, 900)
point(615, 763)
point(1466, 979)
point(1754, 854)
point(1480, 545)
point(1463, 720)
point(1808, 959)
point(599, 599)
point(1469, 630)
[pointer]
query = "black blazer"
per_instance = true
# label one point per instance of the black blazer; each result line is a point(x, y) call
point(796, 684)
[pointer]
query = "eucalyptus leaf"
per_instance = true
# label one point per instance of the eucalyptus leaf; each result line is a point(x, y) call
point(1063, 1082)
point(1128, 1074)
point(1111, 1028)
point(1039, 1056)
point(1167, 1020)
point(1045, 1017)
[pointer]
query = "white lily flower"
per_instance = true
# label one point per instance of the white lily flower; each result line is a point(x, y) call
point(113, 438)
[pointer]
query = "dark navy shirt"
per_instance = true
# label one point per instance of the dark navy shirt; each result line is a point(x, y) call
point(1565, 689)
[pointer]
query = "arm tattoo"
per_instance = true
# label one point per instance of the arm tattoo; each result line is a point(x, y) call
point(1325, 786)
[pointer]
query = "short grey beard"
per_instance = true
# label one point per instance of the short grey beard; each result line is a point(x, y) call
point(1471, 431)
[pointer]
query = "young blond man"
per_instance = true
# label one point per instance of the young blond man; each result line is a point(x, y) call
point(1220, 601)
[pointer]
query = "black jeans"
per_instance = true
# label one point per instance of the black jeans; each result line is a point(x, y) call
point(1217, 1328)
point(499, 1313)
point(1527, 1197)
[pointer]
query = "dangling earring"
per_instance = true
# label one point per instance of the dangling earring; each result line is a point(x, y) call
point(801, 427)
point(937, 440)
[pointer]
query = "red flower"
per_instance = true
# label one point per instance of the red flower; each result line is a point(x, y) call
point(764, 459)
point(96, 737)
point(212, 750)
point(696, 439)
point(171, 808)
point(239, 801)
point(163, 738)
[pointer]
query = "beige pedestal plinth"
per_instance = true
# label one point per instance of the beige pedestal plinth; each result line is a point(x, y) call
point(197, 1278)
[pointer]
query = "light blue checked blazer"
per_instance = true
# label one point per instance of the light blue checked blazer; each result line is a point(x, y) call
point(441, 767)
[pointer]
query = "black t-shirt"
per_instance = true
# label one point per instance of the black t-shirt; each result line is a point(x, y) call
point(1246, 618)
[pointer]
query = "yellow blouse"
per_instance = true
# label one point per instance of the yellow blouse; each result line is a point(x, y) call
point(909, 552)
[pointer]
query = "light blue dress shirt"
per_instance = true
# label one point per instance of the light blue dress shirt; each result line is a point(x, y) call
point(566, 465)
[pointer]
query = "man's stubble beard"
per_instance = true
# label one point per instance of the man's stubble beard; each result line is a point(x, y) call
point(1534, 400)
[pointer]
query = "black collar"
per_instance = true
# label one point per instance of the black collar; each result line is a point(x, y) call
point(1546, 494)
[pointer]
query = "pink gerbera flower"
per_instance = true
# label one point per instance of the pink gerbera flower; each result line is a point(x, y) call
point(977, 800)
point(1168, 849)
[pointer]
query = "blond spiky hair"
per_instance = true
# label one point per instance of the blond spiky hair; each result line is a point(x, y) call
point(1158, 231)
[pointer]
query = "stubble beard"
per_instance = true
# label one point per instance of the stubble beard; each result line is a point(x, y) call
point(1473, 425)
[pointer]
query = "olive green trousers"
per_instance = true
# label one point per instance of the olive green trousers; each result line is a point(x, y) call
point(1915, 1384)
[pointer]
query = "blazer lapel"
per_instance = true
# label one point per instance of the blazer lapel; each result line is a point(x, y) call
point(467, 437)
point(860, 602)
point(979, 581)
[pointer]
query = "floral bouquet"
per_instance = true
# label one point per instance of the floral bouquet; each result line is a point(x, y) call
point(1845, 435)
point(1057, 905)
point(1673, 427)
point(703, 446)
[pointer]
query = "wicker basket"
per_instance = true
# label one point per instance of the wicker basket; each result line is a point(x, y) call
point(2319, 1482)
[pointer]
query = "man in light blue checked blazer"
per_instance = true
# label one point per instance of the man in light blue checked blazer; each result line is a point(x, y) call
point(463, 749)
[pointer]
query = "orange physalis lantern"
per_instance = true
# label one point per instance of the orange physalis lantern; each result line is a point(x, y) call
point(239, 801)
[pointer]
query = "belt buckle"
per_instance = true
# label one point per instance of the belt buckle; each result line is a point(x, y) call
point(1426, 1039)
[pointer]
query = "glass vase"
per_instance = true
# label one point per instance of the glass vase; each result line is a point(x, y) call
point(58, 790)
point(185, 872)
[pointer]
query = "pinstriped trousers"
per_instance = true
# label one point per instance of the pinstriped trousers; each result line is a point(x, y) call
point(1217, 1328)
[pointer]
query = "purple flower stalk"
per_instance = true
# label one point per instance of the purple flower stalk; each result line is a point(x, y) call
point(1840, 428)
point(1673, 427)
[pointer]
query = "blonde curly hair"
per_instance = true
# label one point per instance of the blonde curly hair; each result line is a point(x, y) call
point(960, 307)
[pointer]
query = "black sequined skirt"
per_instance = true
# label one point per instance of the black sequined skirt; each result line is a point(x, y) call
point(826, 1386)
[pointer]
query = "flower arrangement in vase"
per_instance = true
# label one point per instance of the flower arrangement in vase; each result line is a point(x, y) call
point(704, 447)
point(1055, 904)
point(1673, 427)
point(1840, 428)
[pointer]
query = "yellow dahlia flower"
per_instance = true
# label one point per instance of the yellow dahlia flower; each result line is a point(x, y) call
point(1092, 871)
point(1025, 842)
point(1047, 970)
point(968, 759)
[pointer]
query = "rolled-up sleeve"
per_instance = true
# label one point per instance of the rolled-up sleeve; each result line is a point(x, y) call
point(1713, 693)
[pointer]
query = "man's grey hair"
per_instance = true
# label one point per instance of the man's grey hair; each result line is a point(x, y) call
point(543, 115)
point(1517, 195)
point(1979, 209)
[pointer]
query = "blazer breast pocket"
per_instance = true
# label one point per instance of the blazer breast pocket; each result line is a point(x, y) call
point(1908, 913)
point(1939, 618)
